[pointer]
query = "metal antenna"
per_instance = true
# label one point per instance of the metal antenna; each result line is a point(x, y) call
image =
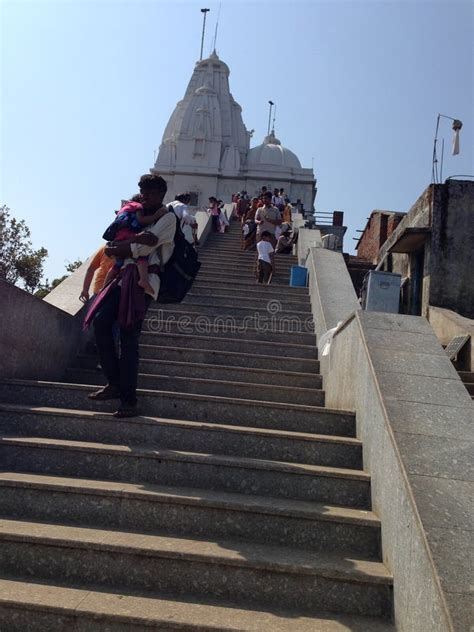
point(204, 11)
point(217, 25)
point(270, 116)
point(274, 117)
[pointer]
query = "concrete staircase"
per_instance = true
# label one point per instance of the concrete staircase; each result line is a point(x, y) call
point(467, 378)
point(236, 502)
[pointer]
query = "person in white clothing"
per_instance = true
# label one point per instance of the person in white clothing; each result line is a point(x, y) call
point(187, 220)
point(265, 253)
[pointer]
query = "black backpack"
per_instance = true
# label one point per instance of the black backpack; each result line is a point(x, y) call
point(178, 274)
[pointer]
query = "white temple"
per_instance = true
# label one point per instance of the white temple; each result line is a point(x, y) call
point(206, 147)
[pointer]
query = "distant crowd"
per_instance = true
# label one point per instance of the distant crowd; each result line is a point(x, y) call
point(266, 222)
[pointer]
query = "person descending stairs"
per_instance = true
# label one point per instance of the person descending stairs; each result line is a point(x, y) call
point(237, 501)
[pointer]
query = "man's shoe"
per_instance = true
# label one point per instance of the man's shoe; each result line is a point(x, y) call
point(107, 392)
point(126, 410)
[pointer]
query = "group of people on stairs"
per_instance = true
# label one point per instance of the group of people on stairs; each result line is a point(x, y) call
point(266, 226)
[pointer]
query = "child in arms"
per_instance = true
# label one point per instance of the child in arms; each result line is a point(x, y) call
point(130, 220)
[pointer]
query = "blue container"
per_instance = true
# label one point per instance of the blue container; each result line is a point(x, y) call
point(298, 276)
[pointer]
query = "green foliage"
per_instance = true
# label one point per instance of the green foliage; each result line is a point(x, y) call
point(73, 266)
point(46, 287)
point(18, 259)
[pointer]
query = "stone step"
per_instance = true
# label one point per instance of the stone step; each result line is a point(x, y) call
point(466, 376)
point(266, 311)
point(226, 358)
point(278, 284)
point(242, 258)
point(255, 443)
point(27, 606)
point(232, 319)
point(213, 280)
point(146, 464)
point(232, 246)
point(203, 408)
point(232, 273)
point(190, 512)
point(470, 387)
point(269, 304)
point(207, 386)
point(239, 257)
point(216, 372)
point(245, 332)
point(252, 290)
point(246, 264)
point(282, 349)
point(256, 574)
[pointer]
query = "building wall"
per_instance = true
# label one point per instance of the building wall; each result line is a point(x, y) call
point(206, 185)
point(379, 227)
point(448, 280)
point(452, 248)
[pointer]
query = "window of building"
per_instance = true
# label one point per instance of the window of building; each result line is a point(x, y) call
point(199, 147)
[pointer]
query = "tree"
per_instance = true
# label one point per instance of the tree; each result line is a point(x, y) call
point(46, 287)
point(18, 259)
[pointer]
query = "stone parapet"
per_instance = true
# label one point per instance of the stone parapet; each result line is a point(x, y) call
point(416, 423)
point(331, 290)
point(415, 420)
point(37, 340)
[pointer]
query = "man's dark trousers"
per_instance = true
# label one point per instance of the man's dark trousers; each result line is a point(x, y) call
point(121, 373)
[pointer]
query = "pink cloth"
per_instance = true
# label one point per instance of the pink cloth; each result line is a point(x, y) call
point(127, 233)
point(132, 306)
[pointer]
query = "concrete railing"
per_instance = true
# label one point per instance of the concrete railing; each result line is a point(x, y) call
point(331, 291)
point(37, 340)
point(415, 419)
point(307, 238)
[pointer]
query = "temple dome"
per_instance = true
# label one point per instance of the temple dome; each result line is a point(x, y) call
point(271, 152)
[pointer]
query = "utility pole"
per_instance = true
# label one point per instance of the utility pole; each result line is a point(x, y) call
point(204, 11)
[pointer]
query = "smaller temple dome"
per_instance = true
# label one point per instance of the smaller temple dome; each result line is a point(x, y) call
point(272, 152)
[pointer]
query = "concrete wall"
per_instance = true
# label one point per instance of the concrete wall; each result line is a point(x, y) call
point(331, 290)
point(447, 324)
point(452, 246)
point(37, 340)
point(416, 421)
point(307, 238)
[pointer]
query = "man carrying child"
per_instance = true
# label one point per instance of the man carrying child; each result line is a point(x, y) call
point(123, 300)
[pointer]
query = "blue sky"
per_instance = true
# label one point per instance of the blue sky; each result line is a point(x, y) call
point(87, 89)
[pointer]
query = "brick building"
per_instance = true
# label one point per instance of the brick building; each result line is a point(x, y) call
point(378, 229)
